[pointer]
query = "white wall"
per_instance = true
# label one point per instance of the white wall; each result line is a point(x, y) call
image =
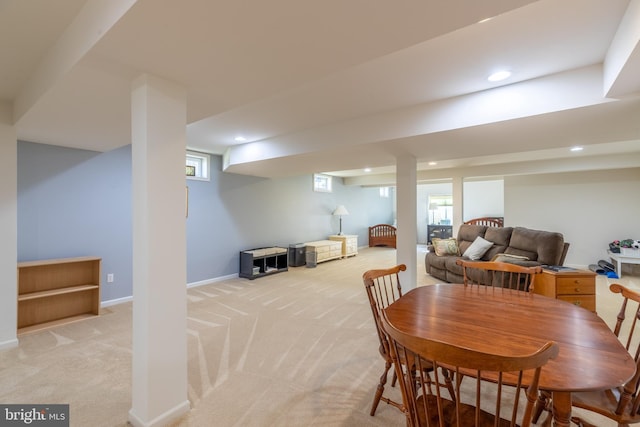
point(589, 208)
point(483, 198)
point(8, 233)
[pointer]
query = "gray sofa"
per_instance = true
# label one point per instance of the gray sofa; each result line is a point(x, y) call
point(539, 247)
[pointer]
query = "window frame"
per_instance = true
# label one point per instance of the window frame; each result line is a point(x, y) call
point(202, 168)
point(319, 178)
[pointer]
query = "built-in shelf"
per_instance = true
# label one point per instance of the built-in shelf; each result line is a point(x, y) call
point(51, 292)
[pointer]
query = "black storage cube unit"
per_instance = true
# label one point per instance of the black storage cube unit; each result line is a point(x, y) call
point(259, 262)
point(297, 256)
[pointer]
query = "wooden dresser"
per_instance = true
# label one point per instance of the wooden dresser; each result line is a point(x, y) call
point(323, 250)
point(349, 243)
point(575, 286)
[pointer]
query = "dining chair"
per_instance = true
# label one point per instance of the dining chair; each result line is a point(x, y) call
point(620, 404)
point(480, 403)
point(499, 274)
point(383, 288)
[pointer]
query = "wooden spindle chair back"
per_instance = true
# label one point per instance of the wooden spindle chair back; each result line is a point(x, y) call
point(620, 404)
point(512, 379)
point(499, 274)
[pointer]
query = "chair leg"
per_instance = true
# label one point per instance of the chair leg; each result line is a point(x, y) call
point(380, 389)
point(582, 423)
point(543, 403)
point(449, 383)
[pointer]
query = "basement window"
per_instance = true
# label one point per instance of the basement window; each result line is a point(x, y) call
point(322, 183)
point(197, 166)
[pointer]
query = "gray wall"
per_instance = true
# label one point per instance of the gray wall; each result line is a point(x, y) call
point(237, 212)
point(77, 202)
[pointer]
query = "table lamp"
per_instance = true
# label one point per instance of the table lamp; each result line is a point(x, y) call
point(340, 211)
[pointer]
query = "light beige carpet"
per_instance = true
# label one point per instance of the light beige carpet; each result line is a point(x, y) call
point(296, 348)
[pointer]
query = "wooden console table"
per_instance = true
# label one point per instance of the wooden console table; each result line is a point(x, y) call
point(575, 286)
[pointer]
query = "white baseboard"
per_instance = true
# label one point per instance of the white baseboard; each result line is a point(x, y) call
point(210, 281)
point(115, 301)
point(163, 419)
point(5, 345)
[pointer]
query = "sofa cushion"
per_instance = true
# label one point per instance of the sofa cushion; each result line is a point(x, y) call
point(444, 247)
point(467, 234)
point(477, 249)
point(500, 236)
point(452, 267)
point(542, 246)
point(433, 260)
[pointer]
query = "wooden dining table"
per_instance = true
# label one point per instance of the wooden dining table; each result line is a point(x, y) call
point(510, 322)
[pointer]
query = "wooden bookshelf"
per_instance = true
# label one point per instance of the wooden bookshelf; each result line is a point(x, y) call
point(57, 291)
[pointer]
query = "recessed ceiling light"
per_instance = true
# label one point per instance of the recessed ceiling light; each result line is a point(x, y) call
point(485, 20)
point(577, 148)
point(433, 163)
point(367, 169)
point(499, 75)
point(240, 138)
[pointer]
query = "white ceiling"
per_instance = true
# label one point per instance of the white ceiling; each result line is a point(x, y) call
point(337, 86)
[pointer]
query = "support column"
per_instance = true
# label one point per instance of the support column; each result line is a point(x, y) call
point(8, 228)
point(159, 371)
point(407, 234)
point(457, 188)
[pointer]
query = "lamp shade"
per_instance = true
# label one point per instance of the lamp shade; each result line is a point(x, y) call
point(341, 210)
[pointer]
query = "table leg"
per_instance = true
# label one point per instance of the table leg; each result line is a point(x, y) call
point(619, 268)
point(561, 409)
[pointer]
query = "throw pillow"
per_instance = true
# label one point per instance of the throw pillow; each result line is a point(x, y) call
point(515, 259)
point(477, 248)
point(445, 246)
point(508, 257)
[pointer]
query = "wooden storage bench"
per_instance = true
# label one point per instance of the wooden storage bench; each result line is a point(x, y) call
point(259, 262)
point(324, 250)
